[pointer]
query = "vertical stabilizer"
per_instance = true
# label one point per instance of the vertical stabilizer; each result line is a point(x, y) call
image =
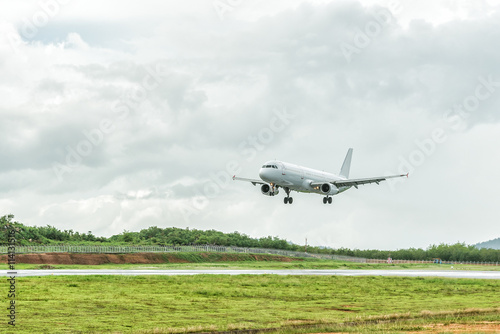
point(346, 166)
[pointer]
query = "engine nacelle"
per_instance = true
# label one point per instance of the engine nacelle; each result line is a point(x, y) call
point(329, 189)
point(267, 190)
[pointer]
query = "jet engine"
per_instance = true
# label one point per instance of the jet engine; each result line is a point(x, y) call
point(329, 189)
point(266, 190)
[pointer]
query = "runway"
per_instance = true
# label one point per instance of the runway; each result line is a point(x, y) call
point(311, 272)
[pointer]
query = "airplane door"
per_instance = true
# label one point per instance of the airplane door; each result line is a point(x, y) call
point(283, 172)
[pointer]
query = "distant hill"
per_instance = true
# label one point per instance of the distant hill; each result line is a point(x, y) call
point(493, 244)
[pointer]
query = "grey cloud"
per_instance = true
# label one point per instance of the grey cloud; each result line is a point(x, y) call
point(222, 83)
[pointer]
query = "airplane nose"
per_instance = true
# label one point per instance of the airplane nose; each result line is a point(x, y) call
point(264, 174)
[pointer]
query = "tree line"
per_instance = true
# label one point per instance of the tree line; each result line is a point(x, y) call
point(50, 235)
point(458, 252)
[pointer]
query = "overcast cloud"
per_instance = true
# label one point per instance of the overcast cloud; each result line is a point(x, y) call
point(123, 115)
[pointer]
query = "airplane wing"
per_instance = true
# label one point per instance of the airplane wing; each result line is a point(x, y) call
point(356, 182)
point(253, 181)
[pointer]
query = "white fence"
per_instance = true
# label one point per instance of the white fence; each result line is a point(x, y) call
point(423, 261)
point(98, 249)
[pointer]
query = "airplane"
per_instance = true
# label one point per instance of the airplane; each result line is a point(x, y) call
point(276, 174)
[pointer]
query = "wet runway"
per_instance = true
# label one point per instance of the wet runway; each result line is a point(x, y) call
point(312, 272)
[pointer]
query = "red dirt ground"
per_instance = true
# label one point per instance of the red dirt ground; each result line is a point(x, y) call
point(481, 327)
point(136, 258)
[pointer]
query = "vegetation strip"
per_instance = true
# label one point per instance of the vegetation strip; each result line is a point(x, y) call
point(49, 235)
point(210, 261)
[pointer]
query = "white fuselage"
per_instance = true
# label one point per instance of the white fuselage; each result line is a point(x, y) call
point(298, 178)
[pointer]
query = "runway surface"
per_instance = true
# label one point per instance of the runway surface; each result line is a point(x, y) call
point(313, 272)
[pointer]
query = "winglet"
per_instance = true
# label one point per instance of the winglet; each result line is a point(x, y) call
point(407, 174)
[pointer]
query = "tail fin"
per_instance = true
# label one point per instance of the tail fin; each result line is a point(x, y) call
point(346, 166)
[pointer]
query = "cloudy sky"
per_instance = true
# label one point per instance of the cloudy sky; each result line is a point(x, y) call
point(120, 115)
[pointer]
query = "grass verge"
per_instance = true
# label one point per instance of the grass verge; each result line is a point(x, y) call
point(315, 264)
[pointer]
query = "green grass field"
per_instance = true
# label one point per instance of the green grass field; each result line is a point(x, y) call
point(165, 304)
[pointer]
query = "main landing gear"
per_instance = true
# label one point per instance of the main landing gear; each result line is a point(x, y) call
point(327, 199)
point(288, 199)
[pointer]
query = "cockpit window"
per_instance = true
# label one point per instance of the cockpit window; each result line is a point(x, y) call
point(270, 166)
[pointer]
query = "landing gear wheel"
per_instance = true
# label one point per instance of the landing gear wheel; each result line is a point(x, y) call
point(286, 200)
point(330, 200)
point(324, 200)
